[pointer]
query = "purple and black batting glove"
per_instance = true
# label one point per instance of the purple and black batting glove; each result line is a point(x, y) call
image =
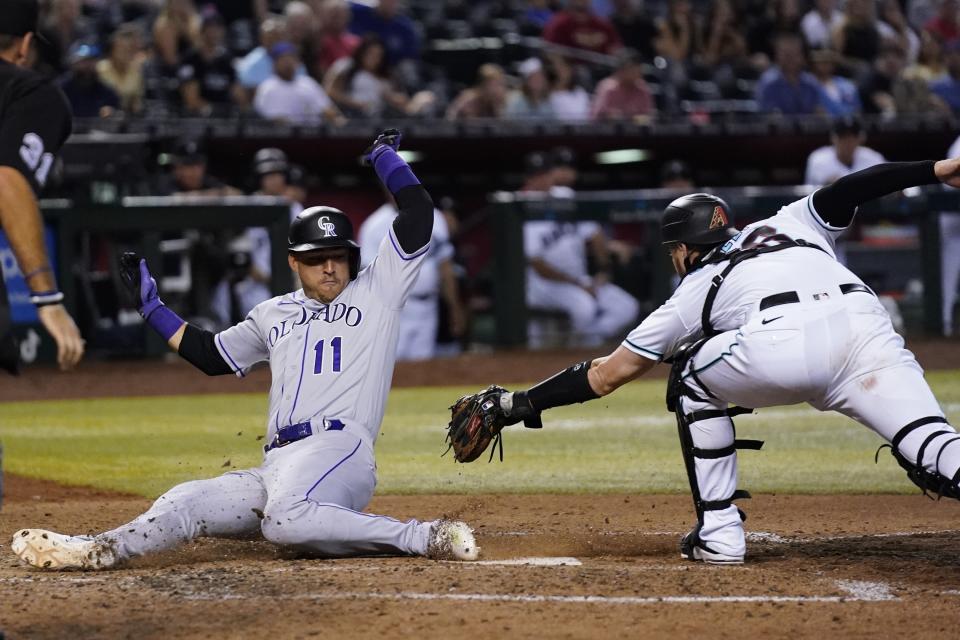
point(393, 171)
point(143, 289)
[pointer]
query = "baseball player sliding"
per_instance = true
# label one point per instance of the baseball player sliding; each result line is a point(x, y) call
point(763, 316)
point(331, 349)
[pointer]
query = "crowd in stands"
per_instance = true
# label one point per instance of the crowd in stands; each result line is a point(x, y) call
point(570, 60)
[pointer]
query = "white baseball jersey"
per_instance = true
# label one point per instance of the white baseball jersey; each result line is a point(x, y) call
point(801, 269)
point(560, 244)
point(329, 361)
point(374, 230)
point(823, 166)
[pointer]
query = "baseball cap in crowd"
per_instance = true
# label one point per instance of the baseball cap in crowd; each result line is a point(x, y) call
point(847, 125)
point(19, 17)
point(188, 152)
point(530, 66)
point(82, 51)
point(270, 160)
point(283, 49)
point(537, 162)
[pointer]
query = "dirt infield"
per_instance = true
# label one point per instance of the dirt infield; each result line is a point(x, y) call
point(848, 566)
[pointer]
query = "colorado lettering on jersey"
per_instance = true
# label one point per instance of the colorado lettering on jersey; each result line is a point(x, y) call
point(350, 315)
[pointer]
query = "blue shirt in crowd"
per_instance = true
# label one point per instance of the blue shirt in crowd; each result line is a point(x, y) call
point(398, 34)
point(776, 94)
point(844, 100)
point(947, 88)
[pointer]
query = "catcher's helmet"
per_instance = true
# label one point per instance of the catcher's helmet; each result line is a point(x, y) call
point(697, 219)
point(320, 228)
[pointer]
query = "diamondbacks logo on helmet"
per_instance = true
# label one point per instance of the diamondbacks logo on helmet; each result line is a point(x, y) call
point(329, 229)
point(719, 218)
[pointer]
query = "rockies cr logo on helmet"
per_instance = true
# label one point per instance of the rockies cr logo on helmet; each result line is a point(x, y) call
point(329, 229)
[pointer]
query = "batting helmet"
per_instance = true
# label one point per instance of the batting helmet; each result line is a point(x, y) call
point(697, 219)
point(323, 227)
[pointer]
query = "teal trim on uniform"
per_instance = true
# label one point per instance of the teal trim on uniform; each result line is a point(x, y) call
point(728, 352)
point(658, 356)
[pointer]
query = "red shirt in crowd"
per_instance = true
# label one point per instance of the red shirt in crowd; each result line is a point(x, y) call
point(615, 100)
point(947, 30)
point(582, 31)
point(332, 48)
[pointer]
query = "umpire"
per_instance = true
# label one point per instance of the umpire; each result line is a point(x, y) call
point(35, 121)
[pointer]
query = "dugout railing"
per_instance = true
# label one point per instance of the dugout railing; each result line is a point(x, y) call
point(507, 212)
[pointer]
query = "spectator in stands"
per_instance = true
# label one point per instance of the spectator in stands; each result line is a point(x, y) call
point(62, 26)
point(557, 275)
point(419, 318)
point(857, 39)
point(122, 71)
point(676, 175)
point(532, 99)
point(176, 31)
point(485, 99)
point(929, 65)
point(877, 87)
point(189, 176)
point(838, 95)
point(360, 86)
point(820, 22)
point(723, 40)
point(775, 19)
point(946, 24)
point(786, 88)
point(287, 97)
point(679, 33)
point(208, 81)
point(257, 66)
point(336, 42)
point(88, 96)
point(302, 29)
point(395, 30)
point(578, 27)
point(894, 28)
point(536, 15)
point(635, 26)
point(844, 155)
point(948, 87)
point(624, 94)
point(568, 100)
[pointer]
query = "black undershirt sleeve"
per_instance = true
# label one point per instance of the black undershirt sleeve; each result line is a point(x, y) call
point(414, 223)
point(567, 387)
point(837, 203)
point(197, 348)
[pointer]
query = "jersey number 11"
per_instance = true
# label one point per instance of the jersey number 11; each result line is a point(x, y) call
point(318, 362)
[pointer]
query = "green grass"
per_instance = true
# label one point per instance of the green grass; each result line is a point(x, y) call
point(626, 442)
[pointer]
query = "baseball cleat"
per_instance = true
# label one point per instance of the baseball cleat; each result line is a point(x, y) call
point(698, 551)
point(452, 540)
point(49, 550)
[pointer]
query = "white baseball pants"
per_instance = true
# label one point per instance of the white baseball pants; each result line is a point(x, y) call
point(593, 318)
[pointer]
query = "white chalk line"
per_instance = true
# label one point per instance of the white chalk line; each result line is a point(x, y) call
point(667, 419)
point(858, 591)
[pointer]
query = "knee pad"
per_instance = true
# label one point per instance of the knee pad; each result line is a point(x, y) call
point(691, 405)
point(928, 481)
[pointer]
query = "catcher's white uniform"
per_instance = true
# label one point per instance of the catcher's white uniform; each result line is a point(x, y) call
point(795, 326)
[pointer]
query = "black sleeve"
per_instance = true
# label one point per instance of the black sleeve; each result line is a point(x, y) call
point(198, 349)
point(414, 224)
point(836, 204)
point(33, 127)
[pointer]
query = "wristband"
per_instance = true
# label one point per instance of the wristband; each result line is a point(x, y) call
point(164, 321)
point(46, 298)
point(393, 171)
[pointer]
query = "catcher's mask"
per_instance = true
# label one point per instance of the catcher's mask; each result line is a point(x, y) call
point(697, 219)
point(320, 228)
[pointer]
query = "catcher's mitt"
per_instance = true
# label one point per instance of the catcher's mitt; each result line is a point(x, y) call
point(477, 420)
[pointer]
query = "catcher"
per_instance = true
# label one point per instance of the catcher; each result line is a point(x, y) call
point(763, 316)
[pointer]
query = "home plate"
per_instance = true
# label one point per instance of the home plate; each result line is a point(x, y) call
point(535, 562)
